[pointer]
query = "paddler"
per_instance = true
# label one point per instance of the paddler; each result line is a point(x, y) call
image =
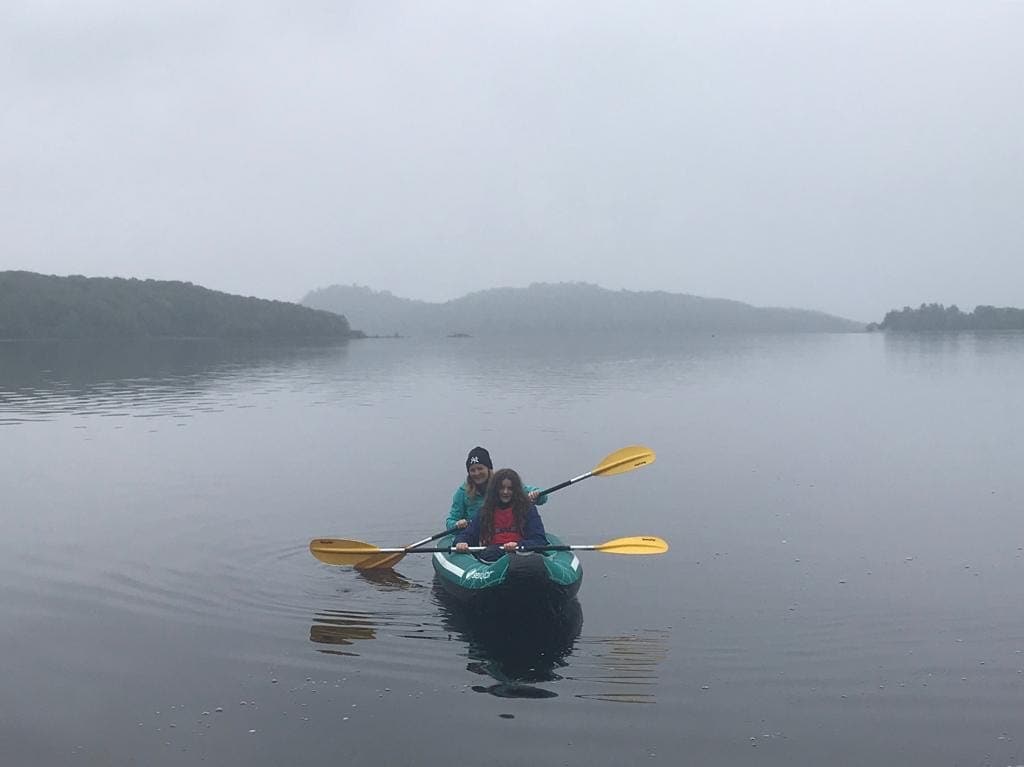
point(469, 496)
point(508, 519)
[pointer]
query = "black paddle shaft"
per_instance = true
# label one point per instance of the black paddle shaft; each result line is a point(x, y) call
point(477, 549)
point(567, 482)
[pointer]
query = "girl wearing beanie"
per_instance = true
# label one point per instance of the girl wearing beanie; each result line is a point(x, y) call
point(469, 496)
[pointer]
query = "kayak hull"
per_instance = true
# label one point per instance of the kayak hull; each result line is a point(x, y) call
point(516, 580)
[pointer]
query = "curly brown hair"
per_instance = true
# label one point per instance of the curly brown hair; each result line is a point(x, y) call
point(520, 503)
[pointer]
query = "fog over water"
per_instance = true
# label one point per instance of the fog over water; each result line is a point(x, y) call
point(845, 157)
point(845, 566)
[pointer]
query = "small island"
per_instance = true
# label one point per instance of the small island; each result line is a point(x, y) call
point(36, 306)
point(936, 317)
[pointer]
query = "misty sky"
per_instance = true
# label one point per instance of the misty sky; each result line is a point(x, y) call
point(845, 156)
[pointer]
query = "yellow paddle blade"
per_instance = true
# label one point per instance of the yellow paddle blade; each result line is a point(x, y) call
point(339, 551)
point(640, 544)
point(623, 460)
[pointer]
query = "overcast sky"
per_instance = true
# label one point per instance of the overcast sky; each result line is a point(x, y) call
point(845, 156)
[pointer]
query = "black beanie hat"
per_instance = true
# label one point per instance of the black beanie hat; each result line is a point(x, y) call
point(479, 455)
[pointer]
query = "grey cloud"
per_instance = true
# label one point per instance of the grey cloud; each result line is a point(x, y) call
point(842, 157)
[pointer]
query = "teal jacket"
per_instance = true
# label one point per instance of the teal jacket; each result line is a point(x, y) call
point(465, 508)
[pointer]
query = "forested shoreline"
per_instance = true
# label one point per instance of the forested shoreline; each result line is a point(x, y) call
point(37, 306)
point(565, 308)
point(928, 317)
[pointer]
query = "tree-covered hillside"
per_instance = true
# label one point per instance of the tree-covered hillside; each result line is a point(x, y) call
point(939, 317)
point(563, 308)
point(35, 306)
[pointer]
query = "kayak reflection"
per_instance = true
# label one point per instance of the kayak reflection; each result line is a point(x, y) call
point(517, 651)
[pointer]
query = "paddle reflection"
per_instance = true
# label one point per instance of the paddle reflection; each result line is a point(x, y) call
point(620, 669)
point(386, 579)
point(518, 652)
point(341, 628)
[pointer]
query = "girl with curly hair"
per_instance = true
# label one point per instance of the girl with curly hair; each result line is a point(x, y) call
point(507, 520)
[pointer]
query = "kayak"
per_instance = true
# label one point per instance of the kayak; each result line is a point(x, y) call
point(519, 579)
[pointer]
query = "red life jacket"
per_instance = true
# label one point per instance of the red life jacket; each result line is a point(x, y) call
point(505, 529)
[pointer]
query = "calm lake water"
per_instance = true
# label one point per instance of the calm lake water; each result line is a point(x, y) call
point(845, 583)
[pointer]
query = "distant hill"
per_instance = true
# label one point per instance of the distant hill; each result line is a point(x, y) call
point(36, 306)
point(563, 308)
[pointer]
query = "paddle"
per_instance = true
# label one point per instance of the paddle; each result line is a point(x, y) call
point(335, 551)
point(621, 461)
point(387, 561)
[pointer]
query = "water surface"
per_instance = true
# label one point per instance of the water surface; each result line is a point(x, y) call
point(843, 584)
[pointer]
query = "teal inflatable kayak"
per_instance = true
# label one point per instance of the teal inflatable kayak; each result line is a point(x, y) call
point(516, 579)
